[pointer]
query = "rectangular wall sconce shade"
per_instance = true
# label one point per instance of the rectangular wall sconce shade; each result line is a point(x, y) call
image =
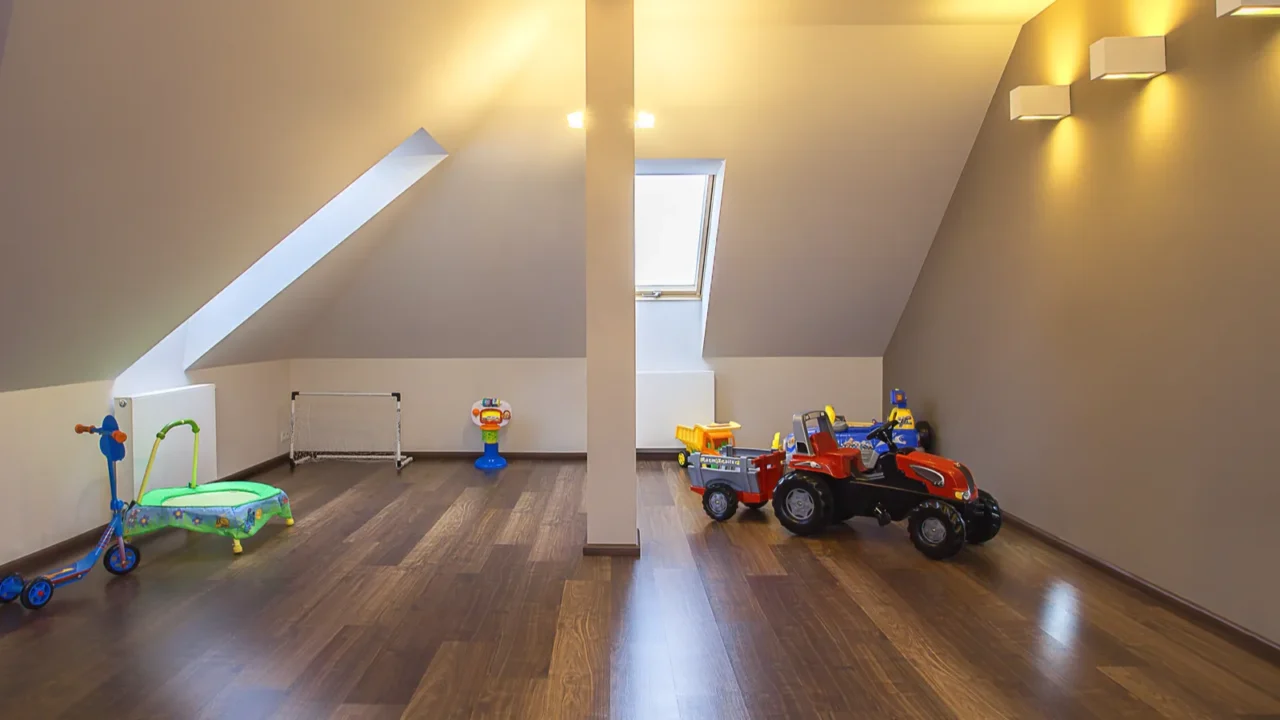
point(1249, 8)
point(1127, 58)
point(1040, 102)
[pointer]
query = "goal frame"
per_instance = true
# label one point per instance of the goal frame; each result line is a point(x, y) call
point(295, 459)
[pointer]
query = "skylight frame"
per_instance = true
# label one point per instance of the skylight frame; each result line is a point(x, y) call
point(694, 291)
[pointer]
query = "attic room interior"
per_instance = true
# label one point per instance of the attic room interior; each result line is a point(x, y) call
point(945, 331)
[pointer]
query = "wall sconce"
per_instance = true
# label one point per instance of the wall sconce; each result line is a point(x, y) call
point(1127, 58)
point(1040, 102)
point(1249, 8)
point(644, 120)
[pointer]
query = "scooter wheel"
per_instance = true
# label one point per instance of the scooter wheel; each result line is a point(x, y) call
point(10, 588)
point(37, 593)
point(117, 565)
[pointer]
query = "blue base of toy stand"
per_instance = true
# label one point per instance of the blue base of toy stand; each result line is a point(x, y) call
point(490, 460)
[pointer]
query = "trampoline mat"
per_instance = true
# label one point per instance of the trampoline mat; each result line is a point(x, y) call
point(221, 498)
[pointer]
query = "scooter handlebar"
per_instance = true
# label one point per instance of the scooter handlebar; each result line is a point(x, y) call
point(116, 435)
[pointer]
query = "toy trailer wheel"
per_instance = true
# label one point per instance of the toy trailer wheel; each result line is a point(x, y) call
point(803, 503)
point(936, 529)
point(682, 459)
point(984, 528)
point(720, 502)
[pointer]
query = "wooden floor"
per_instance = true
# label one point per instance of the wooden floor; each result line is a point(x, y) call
point(440, 593)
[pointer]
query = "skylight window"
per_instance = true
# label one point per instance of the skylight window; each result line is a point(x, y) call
point(673, 214)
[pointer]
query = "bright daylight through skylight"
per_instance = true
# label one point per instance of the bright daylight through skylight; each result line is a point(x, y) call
point(671, 232)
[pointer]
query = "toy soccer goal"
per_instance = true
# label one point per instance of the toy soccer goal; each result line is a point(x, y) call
point(345, 426)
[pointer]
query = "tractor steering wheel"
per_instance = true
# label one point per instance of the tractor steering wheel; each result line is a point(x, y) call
point(884, 433)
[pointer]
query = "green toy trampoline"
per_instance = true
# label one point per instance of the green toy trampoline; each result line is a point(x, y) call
point(235, 509)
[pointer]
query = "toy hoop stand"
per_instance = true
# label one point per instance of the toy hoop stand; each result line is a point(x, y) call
point(490, 415)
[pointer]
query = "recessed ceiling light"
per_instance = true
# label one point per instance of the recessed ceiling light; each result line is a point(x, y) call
point(575, 119)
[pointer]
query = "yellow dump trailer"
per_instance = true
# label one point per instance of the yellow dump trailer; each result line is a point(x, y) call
point(706, 439)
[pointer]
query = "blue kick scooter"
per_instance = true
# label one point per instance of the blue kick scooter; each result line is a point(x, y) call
point(120, 559)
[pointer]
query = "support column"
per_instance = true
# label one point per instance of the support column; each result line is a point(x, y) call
point(611, 313)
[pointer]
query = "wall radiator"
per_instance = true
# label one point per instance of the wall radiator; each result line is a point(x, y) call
point(141, 417)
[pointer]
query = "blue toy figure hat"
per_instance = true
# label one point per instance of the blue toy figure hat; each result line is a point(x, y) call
point(898, 399)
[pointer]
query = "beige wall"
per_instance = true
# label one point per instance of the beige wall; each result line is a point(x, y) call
point(1094, 330)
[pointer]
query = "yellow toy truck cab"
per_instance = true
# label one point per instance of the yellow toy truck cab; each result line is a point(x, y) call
point(707, 439)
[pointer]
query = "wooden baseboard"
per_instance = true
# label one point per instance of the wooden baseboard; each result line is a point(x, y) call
point(42, 559)
point(652, 454)
point(472, 455)
point(613, 549)
point(1220, 626)
point(259, 469)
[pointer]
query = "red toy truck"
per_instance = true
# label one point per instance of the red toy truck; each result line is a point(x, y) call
point(826, 483)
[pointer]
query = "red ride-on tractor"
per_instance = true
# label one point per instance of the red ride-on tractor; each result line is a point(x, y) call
point(826, 483)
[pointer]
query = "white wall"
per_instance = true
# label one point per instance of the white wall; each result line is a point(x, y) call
point(763, 393)
point(548, 398)
point(252, 411)
point(54, 485)
point(669, 335)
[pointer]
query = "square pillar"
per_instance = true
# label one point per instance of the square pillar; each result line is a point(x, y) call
point(609, 124)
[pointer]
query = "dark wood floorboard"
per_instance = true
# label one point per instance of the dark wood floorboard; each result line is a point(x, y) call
point(440, 592)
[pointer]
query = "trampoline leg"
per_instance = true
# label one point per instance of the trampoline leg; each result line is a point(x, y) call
point(235, 546)
point(288, 522)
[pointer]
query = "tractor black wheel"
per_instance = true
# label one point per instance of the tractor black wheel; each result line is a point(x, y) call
point(936, 529)
point(720, 502)
point(682, 459)
point(924, 433)
point(756, 505)
point(985, 527)
point(803, 503)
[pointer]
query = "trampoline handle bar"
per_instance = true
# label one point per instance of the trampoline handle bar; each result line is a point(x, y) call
point(82, 429)
point(195, 453)
point(165, 430)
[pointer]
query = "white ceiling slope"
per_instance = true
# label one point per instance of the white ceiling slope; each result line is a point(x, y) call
point(150, 151)
point(842, 144)
point(484, 256)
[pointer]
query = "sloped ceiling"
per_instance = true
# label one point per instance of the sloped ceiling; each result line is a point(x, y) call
point(842, 145)
point(152, 150)
point(844, 127)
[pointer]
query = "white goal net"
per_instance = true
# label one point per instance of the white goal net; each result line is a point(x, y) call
point(345, 426)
